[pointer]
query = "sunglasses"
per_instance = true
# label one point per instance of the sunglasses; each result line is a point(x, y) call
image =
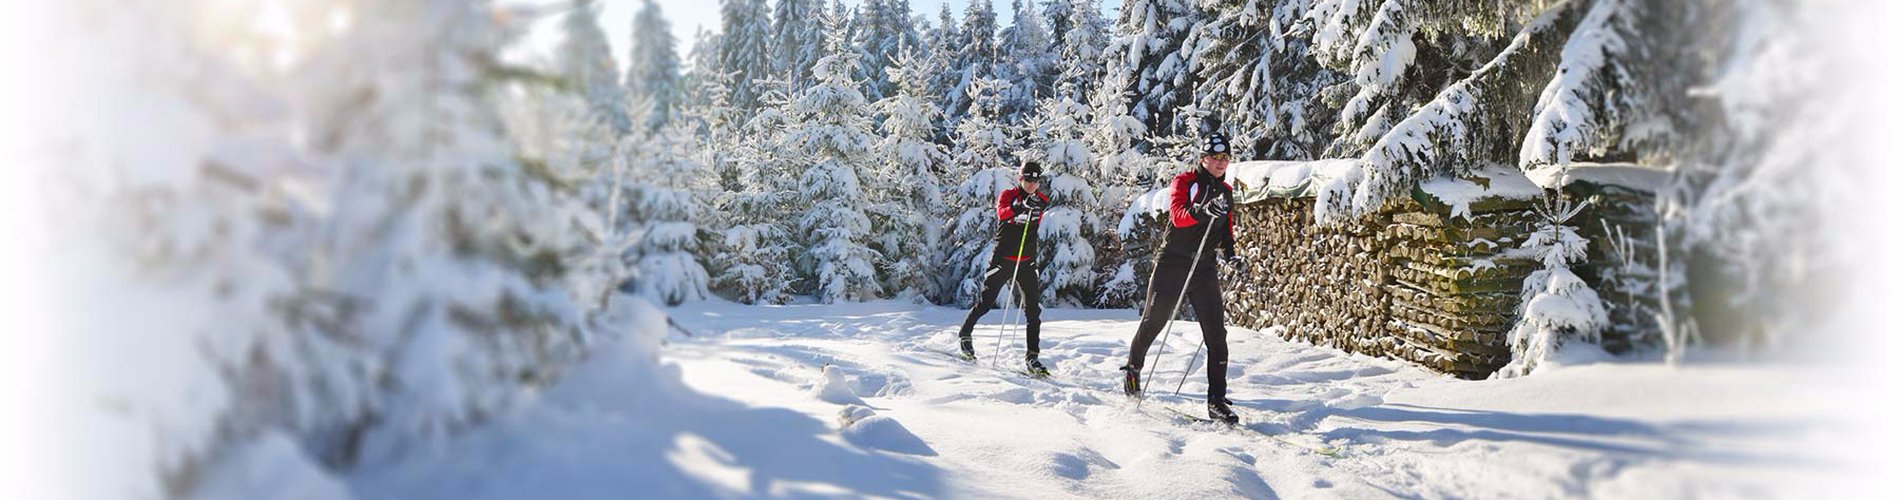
point(1032, 179)
point(1220, 156)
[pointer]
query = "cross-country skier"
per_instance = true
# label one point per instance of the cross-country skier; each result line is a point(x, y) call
point(1020, 209)
point(1199, 201)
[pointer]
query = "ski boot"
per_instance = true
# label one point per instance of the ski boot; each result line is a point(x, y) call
point(1035, 368)
point(1131, 381)
point(969, 349)
point(1222, 411)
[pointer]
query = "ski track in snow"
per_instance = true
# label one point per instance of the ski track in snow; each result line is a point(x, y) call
point(900, 417)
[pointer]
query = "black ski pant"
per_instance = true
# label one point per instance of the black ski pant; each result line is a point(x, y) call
point(1027, 286)
point(1204, 294)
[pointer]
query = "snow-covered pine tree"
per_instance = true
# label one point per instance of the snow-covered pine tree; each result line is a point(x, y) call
point(652, 72)
point(702, 66)
point(796, 40)
point(1068, 229)
point(744, 49)
point(907, 30)
point(669, 205)
point(945, 39)
point(831, 125)
point(907, 197)
point(1147, 44)
point(1558, 307)
point(972, 56)
point(560, 134)
point(1617, 91)
point(1475, 122)
point(454, 242)
point(1078, 35)
point(721, 127)
point(1025, 62)
point(1385, 44)
point(757, 247)
point(1231, 60)
point(1752, 210)
point(1125, 174)
point(1302, 122)
point(982, 158)
point(586, 61)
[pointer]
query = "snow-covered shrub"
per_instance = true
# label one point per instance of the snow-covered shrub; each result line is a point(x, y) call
point(1558, 308)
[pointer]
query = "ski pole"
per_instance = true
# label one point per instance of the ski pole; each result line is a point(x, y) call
point(1182, 297)
point(1190, 362)
point(1013, 271)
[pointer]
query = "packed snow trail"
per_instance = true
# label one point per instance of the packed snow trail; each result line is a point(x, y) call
point(868, 399)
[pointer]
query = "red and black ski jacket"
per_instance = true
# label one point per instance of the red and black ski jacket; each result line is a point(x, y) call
point(1189, 190)
point(1009, 238)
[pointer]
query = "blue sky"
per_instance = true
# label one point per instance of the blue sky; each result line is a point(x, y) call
point(688, 16)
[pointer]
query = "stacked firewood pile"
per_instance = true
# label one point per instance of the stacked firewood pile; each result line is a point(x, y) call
point(1325, 285)
point(1620, 223)
point(1455, 282)
point(1413, 282)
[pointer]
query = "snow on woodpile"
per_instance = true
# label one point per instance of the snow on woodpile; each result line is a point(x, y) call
point(1432, 278)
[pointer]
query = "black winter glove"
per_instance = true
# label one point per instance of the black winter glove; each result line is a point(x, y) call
point(1021, 206)
point(1036, 203)
point(1211, 209)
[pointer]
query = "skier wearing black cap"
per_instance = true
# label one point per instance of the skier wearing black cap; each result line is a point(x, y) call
point(1199, 203)
point(1020, 210)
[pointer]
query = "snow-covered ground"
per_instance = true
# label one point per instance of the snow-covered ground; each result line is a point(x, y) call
point(863, 399)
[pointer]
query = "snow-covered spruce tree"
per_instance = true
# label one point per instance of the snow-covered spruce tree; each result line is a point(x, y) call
point(1474, 122)
point(1231, 60)
point(1025, 62)
point(1078, 35)
point(1558, 308)
point(1068, 229)
point(1618, 89)
point(562, 136)
point(982, 158)
point(831, 125)
point(586, 61)
point(797, 40)
point(167, 255)
point(945, 39)
point(669, 205)
point(652, 71)
point(907, 197)
point(1751, 213)
point(1401, 52)
point(884, 30)
point(1148, 41)
point(450, 247)
point(744, 49)
point(702, 65)
point(1112, 136)
point(1302, 122)
point(721, 127)
point(972, 56)
point(757, 246)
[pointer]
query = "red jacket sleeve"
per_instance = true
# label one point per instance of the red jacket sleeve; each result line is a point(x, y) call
point(1003, 212)
point(1178, 199)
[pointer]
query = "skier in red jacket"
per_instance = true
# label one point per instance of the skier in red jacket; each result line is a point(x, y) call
point(1199, 202)
point(1020, 210)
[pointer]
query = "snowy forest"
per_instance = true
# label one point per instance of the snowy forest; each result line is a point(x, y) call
point(284, 245)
